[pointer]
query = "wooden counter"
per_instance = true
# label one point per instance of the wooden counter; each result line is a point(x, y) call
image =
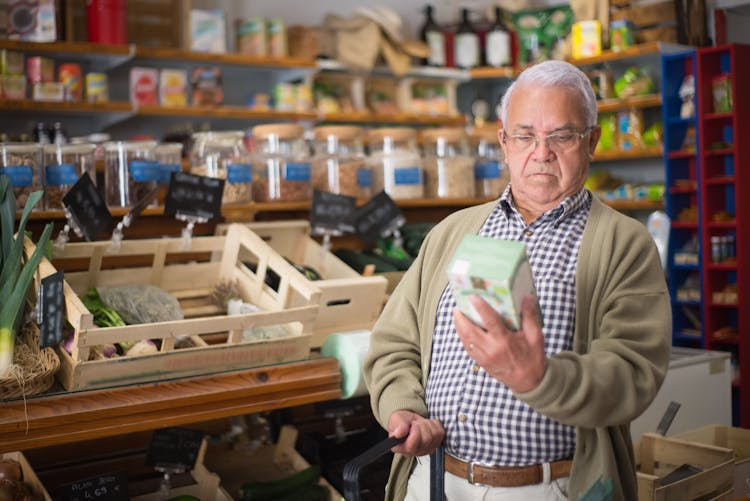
point(69, 417)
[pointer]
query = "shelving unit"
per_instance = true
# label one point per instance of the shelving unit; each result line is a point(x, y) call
point(682, 179)
point(724, 182)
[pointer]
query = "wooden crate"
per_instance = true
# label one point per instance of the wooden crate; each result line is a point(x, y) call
point(29, 476)
point(736, 439)
point(189, 275)
point(348, 300)
point(657, 456)
point(653, 20)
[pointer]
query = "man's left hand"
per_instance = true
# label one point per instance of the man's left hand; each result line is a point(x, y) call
point(515, 358)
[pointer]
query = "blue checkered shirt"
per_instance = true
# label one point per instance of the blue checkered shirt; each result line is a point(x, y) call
point(484, 421)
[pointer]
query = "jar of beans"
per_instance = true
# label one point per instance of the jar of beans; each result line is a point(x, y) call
point(223, 155)
point(169, 157)
point(396, 165)
point(22, 162)
point(63, 165)
point(448, 167)
point(281, 164)
point(338, 165)
point(130, 171)
point(490, 174)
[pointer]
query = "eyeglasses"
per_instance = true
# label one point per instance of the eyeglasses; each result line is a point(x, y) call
point(558, 142)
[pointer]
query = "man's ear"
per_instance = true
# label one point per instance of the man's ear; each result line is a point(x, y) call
point(594, 135)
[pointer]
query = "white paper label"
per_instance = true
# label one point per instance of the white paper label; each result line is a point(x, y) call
point(498, 48)
point(436, 42)
point(467, 50)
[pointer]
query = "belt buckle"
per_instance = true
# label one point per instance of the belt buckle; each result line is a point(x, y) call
point(470, 472)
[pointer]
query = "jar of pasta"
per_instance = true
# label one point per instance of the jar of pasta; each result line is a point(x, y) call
point(490, 174)
point(169, 158)
point(63, 165)
point(448, 167)
point(338, 165)
point(22, 163)
point(281, 164)
point(395, 162)
point(130, 172)
point(223, 155)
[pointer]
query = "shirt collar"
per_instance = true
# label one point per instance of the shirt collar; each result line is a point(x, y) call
point(567, 207)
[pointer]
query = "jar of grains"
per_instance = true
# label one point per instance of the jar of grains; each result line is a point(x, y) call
point(490, 173)
point(338, 165)
point(63, 165)
point(396, 165)
point(223, 155)
point(448, 167)
point(281, 164)
point(169, 158)
point(130, 171)
point(22, 162)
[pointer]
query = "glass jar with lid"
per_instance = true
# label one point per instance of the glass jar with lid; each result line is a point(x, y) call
point(448, 167)
point(63, 165)
point(490, 174)
point(396, 164)
point(338, 165)
point(22, 163)
point(223, 155)
point(169, 158)
point(281, 164)
point(130, 171)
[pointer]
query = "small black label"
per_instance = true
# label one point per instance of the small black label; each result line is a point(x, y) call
point(108, 487)
point(332, 212)
point(379, 215)
point(51, 309)
point(88, 209)
point(174, 448)
point(192, 195)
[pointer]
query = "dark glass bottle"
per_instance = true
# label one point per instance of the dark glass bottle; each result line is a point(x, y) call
point(433, 36)
point(498, 45)
point(466, 52)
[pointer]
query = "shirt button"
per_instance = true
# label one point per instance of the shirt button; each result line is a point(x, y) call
point(475, 368)
point(462, 418)
point(528, 233)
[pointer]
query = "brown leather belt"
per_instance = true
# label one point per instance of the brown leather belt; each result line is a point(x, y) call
point(505, 476)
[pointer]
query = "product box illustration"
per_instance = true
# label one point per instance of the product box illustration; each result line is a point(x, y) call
point(496, 270)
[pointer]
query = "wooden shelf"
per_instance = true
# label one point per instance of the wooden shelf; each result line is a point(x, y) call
point(487, 72)
point(673, 155)
point(645, 49)
point(628, 155)
point(69, 417)
point(65, 107)
point(645, 101)
point(398, 118)
point(229, 58)
point(67, 48)
point(634, 205)
point(236, 112)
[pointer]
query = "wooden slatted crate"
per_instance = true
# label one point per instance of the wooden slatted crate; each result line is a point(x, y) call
point(348, 300)
point(29, 475)
point(217, 339)
point(654, 20)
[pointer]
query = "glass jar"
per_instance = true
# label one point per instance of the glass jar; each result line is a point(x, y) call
point(223, 155)
point(338, 165)
point(448, 167)
point(169, 158)
point(490, 173)
point(395, 162)
point(130, 171)
point(22, 163)
point(281, 164)
point(63, 165)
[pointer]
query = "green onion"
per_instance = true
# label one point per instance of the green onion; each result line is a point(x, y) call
point(15, 275)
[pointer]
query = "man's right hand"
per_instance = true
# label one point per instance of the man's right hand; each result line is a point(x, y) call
point(423, 435)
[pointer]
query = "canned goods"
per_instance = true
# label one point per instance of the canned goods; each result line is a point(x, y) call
point(97, 88)
point(70, 77)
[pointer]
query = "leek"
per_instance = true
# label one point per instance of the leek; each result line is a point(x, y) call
point(15, 275)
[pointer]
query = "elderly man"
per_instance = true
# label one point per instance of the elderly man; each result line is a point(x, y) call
point(544, 412)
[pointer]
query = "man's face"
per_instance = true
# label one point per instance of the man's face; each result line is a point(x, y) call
point(542, 174)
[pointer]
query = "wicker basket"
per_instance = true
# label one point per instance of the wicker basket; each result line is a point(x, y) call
point(38, 371)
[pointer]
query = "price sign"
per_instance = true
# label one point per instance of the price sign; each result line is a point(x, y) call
point(192, 195)
point(108, 487)
point(51, 310)
point(378, 216)
point(88, 208)
point(332, 212)
point(174, 448)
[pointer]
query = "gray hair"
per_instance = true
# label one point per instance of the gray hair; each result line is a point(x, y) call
point(555, 74)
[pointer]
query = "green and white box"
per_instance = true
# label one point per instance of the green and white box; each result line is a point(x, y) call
point(496, 270)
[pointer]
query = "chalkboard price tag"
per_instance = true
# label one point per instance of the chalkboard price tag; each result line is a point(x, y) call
point(108, 487)
point(51, 309)
point(191, 195)
point(378, 216)
point(174, 448)
point(332, 212)
point(87, 208)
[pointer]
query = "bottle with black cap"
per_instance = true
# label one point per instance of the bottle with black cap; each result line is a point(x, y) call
point(433, 36)
point(466, 43)
point(497, 51)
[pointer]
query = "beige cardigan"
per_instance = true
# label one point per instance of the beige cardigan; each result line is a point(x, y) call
point(620, 350)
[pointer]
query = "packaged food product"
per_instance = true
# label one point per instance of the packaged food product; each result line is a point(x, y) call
point(48, 91)
point(621, 34)
point(206, 86)
point(448, 167)
point(130, 172)
point(71, 79)
point(172, 87)
point(396, 164)
point(490, 173)
point(721, 87)
point(13, 86)
point(223, 155)
point(276, 36)
point(63, 165)
point(144, 84)
point(97, 88)
point(22, 163)
point(281, 164)
point(40, 69)
point(630, 129)
point(338, 165)
point(251, 37)
point(587, 38)
point(11, 62)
